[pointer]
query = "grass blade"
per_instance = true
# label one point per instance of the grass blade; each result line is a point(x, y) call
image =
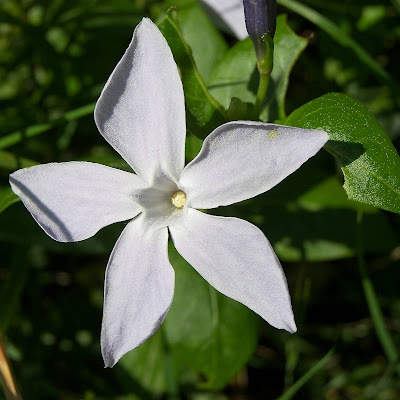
point(34, 130)
point(345, 40)
point(306, 377)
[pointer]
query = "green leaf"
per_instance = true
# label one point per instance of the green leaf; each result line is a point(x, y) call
point(208, 332)
point(147, 365)
point(236, 75)
point(207, 44)
point(203, 112)
point(369, 161)
point(204, 332)
point(308, 217)
point(329, 194)
point(7, 197)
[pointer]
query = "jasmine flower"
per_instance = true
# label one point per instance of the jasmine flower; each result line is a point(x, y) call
point(141, 113)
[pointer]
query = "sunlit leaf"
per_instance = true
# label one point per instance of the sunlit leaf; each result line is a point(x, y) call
point(206, 42)
point(236, 75)
point(147, 365)
point(369, 161)
point(203, 112)
point(208, 332)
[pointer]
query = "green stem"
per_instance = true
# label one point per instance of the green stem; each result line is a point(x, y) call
point(289, 394)
point(373, 304)
point(345, 40)
point(33, 130)
point(261, 93)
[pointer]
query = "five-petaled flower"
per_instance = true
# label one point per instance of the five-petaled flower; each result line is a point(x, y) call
point(141, 113)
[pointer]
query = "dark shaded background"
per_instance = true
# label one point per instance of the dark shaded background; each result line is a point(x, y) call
point(55, 57)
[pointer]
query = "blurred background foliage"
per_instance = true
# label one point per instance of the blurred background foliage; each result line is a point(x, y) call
point(55, 58)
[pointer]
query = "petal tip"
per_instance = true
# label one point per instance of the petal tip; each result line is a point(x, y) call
point(289, 325)
point(147, 23)
point(110, 358)
point(324, 135)
point(109, 364)
point(286, 325)
point(292, 328)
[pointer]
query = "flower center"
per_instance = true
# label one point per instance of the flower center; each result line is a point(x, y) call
point(179, 199)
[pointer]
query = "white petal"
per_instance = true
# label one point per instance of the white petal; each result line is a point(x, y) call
point(71, 201)
point(242, 159)
point(141, 110)
point(138, 292)
point(236, 258)
point(228, 15)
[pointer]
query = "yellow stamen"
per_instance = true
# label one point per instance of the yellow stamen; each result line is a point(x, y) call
point(273, 134)
point(179, 199)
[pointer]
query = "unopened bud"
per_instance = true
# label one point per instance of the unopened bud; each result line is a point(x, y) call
point(260, 22)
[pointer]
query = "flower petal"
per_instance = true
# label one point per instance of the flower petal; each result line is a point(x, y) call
point(242, 159)
point(71, 201)
point(138, 292)
point(141, 110)
point(228, 15)
point(236, 258)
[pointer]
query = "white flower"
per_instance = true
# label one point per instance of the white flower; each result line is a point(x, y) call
point(228, 15)
point(141, 114)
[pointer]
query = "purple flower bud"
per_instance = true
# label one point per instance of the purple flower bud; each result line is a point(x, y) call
point(260, 21)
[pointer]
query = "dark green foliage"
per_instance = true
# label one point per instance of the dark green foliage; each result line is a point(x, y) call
point(55, 58)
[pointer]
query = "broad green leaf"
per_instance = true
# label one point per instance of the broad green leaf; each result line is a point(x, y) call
point(208, 332)
point(7, 197)
point(147, 364)
point(206, 42)
point(203, 112)
point(236, 75)
point(204, 332)
point(309, 217)
point(369, 161)
point(329, 194)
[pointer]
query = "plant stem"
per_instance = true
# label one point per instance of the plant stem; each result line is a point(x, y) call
point(374, 308)
point(6, 375)
point(306, 377)
point(261, 93)
point(345, 40)
point(33, 130)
